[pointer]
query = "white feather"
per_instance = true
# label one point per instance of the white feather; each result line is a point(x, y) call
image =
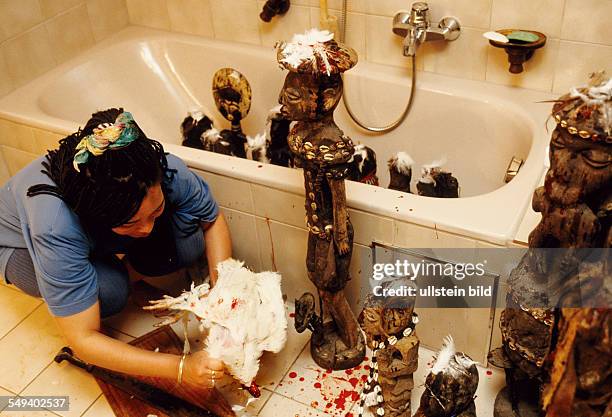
point(257, 143)
point(363, 152)
point(402, 163)
point(211, 136)
point(444, 356)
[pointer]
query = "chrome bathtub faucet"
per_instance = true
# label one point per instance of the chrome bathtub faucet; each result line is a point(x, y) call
point(415, 28)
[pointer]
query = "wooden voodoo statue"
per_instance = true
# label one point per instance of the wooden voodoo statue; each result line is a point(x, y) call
point(558, 360)
point(232, 94)
point(312, 90)
point(389, 324)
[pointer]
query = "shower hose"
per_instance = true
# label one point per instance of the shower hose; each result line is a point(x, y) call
point(375, 129)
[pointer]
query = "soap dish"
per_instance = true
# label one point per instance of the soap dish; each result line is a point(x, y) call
point(518, 48)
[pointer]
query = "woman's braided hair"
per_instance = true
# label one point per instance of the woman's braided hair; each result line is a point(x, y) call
point(109, 189)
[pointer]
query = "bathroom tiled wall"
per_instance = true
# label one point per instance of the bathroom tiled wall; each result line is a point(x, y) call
point(579, 33)
point(37, 35)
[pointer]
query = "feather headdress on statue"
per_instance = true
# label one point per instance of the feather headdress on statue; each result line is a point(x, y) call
point(315, 52)
point(587, 111)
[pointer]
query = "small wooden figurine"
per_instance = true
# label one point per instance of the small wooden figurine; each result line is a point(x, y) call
point(312, 90)
point(232, 94)
point(450, 387)
point(390, 329)
point(400, 172)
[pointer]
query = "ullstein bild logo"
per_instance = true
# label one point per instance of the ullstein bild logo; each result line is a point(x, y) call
point(413, 270)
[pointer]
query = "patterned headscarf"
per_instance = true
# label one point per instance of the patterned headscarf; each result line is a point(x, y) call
point(111, 136)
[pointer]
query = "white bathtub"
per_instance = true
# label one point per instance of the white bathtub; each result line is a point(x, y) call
point(478, 127)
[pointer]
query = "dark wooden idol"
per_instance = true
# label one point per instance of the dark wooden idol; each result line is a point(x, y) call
point(312, 90)
point(557, 325)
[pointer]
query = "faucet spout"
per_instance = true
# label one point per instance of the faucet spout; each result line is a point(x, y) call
point(413, 40)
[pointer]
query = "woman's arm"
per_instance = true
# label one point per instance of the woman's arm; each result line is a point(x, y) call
point(218, 244)
point(82, 331)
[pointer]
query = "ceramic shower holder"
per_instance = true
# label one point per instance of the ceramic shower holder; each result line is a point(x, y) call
point(519, 53)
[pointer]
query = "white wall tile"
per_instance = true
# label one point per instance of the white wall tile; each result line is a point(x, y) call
point(16, 159)
point(107, 17)
point(51, 8)
point(70, 33)
point(540, 15)
point(369, 228)
point(229, 192)
point(236, 20)
point(538, 73)
point(28, 55)
point(278, 205)
point(383, 46)
point(151, 13)
point(17, 136)
point(588, 21)
point(576, 61)
point(191, 16)
point(296, 20)
point(243, 234)
point(18, 16)
point(355, 31)
point(465, 57)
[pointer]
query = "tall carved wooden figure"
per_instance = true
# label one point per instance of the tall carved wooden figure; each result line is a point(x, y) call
point(558, 360)
point(312, 90)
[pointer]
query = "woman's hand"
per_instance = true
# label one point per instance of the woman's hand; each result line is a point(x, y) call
point(201, 370)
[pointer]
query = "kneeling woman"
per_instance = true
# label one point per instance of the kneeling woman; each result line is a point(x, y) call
point(108, 190)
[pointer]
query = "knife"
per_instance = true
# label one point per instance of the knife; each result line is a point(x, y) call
point(153, 396)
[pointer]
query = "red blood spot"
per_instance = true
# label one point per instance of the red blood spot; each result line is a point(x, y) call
point(366, 359)
point(314, 404)
point(328, 405)
point(358, 368)
point(349, 414)
point(192, 304)
point(292, 374)
point(329, 371)
point(317, 385)
point(489, 373)
point(353, 382)
point(364, 378)
point(348, 372)
point(302, 379)
point(235, 302)
point(367, 367)
point(291, 315)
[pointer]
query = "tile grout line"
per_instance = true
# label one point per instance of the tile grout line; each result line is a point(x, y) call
point(91, 405)
point(21, 321)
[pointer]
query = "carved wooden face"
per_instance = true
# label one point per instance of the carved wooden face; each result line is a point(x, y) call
point(305, 97)
point(580, 163)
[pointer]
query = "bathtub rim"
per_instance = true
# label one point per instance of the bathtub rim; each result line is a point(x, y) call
point(19, 107)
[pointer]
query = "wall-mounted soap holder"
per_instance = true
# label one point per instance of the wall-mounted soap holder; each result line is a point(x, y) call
point(518, 50)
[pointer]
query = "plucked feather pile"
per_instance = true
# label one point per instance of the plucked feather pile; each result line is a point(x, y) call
point(244, 315)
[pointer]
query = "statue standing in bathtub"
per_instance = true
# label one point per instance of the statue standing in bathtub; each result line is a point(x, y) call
point(556, 358)
point(312, 90)
point(232, 94)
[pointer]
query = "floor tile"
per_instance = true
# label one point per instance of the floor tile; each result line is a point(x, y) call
point(14, 307)
point(133, 321)
point(282, 406)
point(27, 414)
point(4, 392)
point(66, 379)
point(100, 408)
point(28, 349)
point(331, 392)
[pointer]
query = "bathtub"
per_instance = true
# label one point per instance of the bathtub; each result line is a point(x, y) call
point(475, 126)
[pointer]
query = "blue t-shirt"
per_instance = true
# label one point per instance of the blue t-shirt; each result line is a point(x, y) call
point(60, 248)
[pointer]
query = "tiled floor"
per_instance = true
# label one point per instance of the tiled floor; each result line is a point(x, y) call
point(292, 384)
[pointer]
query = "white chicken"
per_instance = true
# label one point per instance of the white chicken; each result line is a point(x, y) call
point(244, 315)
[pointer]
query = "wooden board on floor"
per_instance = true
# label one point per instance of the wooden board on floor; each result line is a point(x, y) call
point(166, 341)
